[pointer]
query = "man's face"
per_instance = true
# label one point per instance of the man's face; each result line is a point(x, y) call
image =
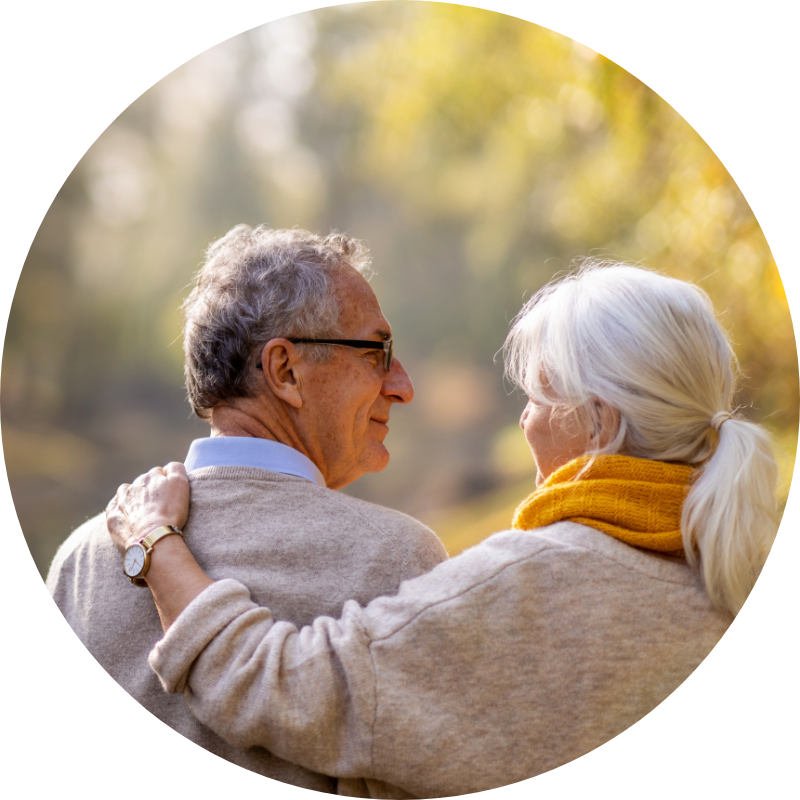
point(346, 401)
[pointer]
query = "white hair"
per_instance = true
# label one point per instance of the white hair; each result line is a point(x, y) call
point(651, 348)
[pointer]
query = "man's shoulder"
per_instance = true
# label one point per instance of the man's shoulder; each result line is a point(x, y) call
point(223, 488)
point(302, 548)
point(375, 512)
point(397, 528)
point(88, 541)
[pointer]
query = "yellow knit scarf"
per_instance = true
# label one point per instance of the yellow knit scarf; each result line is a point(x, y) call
point(631, 499)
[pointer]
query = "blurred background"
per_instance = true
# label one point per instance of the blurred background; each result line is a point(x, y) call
point(477, 154)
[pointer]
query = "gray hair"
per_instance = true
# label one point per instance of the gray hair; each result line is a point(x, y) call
point(258, 284)
point(651, 348)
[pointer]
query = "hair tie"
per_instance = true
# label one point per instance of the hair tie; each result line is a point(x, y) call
point(719, 418)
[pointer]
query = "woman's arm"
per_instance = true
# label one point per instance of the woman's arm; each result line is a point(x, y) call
point(307, 697)
point(159, 497)
point(405, 691)
point(174, 578)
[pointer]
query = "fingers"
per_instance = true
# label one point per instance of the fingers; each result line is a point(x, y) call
point(173, 470)
point(115, 505)
point(152, 474)
point(148, 477)
point(118, 495)
point(116, 522)
point(176, 470)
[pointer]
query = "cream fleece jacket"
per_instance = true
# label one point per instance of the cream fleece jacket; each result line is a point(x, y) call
point(301, 549)
point(517, 656)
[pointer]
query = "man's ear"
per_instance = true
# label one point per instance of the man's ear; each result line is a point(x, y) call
point(279, 359)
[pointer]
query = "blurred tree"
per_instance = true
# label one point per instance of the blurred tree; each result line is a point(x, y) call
point(531, 149)
point(525, 149)
point(477, 154)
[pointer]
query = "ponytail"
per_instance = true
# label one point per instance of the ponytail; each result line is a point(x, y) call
point(651, 348)
point(730, 515)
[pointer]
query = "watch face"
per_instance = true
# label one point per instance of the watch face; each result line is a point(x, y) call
point(133, 560)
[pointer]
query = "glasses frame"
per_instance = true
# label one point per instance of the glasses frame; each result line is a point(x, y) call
point(363, 344)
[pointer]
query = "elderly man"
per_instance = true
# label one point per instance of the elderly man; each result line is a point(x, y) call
point(289, 359)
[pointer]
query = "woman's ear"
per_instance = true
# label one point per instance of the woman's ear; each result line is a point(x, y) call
point(606, 424)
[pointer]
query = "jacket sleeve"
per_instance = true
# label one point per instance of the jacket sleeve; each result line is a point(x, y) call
point(308, 696)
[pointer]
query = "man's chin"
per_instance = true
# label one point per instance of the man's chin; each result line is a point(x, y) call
point(379, 458)
point(375, 461)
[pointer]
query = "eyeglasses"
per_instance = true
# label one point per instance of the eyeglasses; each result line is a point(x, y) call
point(364, 344)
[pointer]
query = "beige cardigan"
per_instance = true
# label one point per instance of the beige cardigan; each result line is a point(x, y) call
point(517, 656)
point(301, 549)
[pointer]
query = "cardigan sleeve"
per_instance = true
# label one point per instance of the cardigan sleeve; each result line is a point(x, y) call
point(521, 654)
point(307, 696)
point(436, 690)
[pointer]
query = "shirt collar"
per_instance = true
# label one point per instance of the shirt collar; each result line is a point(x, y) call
point(245, 451)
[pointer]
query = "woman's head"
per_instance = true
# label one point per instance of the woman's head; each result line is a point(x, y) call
point(619, 359)
point(623, 338)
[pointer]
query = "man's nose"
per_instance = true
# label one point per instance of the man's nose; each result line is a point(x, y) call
point(397, 385)
point(524, 414)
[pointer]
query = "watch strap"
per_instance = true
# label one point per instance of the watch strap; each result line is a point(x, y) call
point(149, 541)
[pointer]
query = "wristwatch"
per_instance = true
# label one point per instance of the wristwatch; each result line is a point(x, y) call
point(136, 559)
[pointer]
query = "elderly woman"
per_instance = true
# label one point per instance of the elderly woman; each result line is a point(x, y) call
point(653, 514)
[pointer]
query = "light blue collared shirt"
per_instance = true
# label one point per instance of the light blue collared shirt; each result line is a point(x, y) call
point(245, 451)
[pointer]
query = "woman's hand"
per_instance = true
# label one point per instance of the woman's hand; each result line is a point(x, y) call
point(159, 497)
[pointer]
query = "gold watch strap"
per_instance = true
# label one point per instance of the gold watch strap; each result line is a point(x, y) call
point(159, 533)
